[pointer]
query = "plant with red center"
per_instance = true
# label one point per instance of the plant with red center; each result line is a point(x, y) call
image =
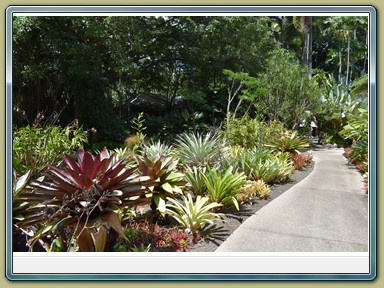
point(83, 201)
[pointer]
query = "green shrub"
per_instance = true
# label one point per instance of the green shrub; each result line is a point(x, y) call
point(156, 150)
point(163, 171)
point(253, 190)
point(34, 147)
point(261, 164)
point(243, 161)
point(247, 132)
point(359, 151)
point(197, 149)
point(223, 186)
point(269, 171)
point(357, 129)
point(288, 142)
point(357, 126)
point(244, 132)
point(195, 180)
point(193, 215)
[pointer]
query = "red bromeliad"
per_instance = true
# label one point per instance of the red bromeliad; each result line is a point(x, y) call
point(85, 199)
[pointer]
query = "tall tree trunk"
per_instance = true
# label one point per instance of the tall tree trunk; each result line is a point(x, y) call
point(348, 59)
point(353, 65)
point(309, 51)
point(306, 28)
point(340, 65)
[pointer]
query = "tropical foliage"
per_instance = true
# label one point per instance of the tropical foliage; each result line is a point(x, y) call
point(80, 202)
point(288, 142)
point(199, 114)
point(195, 179)
point(34, 147)
point(223, 186)
point(261, 164)
point(357, 130)
point(253, 190)
point(193, 215)
point(163, 171)
point(156, 150)
point(247, 132)
point(301, 160)
point(18, 185)
point(197, 149)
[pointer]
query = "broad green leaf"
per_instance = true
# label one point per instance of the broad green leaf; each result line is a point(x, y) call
point(21, 182)
point(167, 187)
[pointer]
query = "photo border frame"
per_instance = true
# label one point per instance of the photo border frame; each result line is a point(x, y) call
point(82, 9)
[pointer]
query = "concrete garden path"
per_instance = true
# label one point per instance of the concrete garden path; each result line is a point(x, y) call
point(325, 212)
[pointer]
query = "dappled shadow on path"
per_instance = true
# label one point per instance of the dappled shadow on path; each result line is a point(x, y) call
point(215, 234)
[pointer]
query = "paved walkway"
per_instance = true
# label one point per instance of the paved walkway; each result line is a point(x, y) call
point(325, 212)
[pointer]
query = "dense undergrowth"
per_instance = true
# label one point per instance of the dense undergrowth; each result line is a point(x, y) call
point(147, 196)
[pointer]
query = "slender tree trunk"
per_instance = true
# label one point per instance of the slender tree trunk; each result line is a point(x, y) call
point(353, 65)
point(309, 52)
point(237, 108)
point(306, 28)
point(348, 59)
point(340, 65)
point(282, 32)
point(232, 92)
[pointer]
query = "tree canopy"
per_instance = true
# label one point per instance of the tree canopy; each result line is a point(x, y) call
point(90, 68)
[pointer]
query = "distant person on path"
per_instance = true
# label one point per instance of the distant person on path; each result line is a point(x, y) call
point(313, 127)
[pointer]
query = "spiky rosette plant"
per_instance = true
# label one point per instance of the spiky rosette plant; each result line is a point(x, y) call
point(163, 171)
point(193, 215)
point(81, 202)
point(288, 142)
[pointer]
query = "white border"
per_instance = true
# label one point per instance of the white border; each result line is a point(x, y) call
point(173, 262)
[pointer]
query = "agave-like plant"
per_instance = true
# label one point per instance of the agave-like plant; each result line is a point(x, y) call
point(81, 202)
point(195, 180)
point(155, 150)
point(245, 160)
point(163, 171)
point(263, 164)
point(119, 153)
point(288, 142)
point(193, 215)
point(271, 170)
point(197, 149)
point(223, 187)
